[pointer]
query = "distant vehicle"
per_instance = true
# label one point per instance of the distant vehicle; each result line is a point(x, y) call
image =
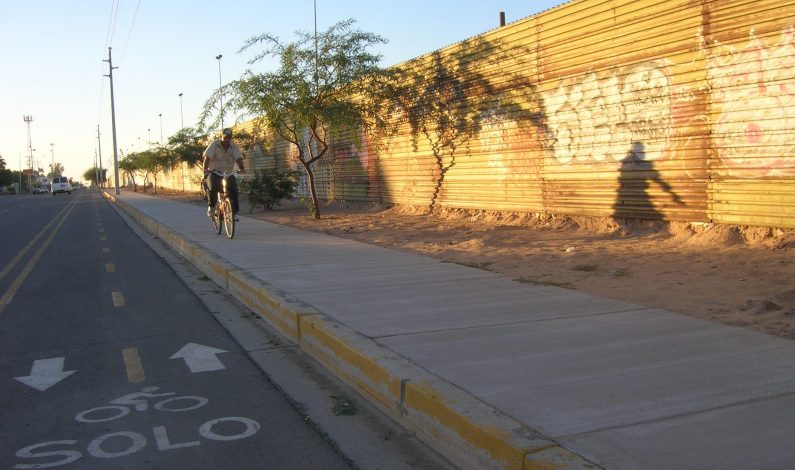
point(60, 184)
point(40, 190)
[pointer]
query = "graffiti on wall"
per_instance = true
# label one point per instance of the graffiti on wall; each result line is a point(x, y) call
point(754, 89)
point(597, 117)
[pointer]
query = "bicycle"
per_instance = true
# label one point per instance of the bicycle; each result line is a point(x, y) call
point(139, 401)
point(223, 217)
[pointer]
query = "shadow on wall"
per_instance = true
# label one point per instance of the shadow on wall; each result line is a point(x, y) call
point(447, 98)
point(636, 175)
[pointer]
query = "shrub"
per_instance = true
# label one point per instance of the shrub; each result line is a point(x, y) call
point(269, 187)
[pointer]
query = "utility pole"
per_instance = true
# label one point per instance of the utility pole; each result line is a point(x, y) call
point(99, 146)
point(28, 119)
point(113, 121)
point(96, 170)
point(52, 157)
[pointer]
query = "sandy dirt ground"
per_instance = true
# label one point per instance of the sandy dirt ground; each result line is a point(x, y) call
point(743, 277)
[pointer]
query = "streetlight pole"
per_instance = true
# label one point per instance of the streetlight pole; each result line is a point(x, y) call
point(161, 129)
point(149, 130)
point(219, 89)
point(52, 156)
point(28, 119)
point(181, 117)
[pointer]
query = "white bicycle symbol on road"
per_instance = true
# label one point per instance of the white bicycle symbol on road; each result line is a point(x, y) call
point(121, 407)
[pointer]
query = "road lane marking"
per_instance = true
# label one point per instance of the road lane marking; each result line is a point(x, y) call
point(105, 249)
point(19, 256)
point(118, 299)
point(45, 373)
point(103, 239)
point(9, 295)
point(135, 368)
point(110, 267)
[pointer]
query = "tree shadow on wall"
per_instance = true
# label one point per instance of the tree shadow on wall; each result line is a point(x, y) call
point(447, 98)
point(633, 200)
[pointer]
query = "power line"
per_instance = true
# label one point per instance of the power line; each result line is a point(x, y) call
point(129, 33)
point(114, 12)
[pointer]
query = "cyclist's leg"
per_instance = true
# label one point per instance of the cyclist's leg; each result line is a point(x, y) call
point(231, 187)
point(215, 186)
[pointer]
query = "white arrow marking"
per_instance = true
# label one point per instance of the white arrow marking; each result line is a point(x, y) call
point(200, 358)
point(45, 373)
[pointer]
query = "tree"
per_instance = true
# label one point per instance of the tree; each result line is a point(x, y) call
point(94, 175)
point(322, 89)
point(2, 163)
point(56, 169)
point(129, 165)
point(156, 160)
point(188, 144)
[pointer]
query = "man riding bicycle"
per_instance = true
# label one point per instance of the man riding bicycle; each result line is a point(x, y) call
point(221, 156)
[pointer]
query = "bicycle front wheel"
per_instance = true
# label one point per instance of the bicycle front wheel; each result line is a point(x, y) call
point(229, 219)
point(216, 220)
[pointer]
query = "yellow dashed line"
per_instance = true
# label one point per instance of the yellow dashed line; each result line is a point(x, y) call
point(132, 361)
point(118, 299)
point(110, 267)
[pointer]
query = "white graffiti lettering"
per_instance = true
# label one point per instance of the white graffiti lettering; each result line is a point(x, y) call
point(598, 117)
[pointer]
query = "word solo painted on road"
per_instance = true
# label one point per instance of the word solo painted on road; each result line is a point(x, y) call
point(62, 452)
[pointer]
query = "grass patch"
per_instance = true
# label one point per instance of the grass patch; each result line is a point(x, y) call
point(472, 264)
point(541, 282)
point(620, 272)
point(343, 405)
point(588, 268)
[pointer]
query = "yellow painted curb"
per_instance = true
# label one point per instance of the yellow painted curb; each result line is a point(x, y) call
point(276, 307)
point(468, 432)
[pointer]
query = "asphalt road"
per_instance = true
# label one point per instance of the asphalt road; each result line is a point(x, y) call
point(108, 360)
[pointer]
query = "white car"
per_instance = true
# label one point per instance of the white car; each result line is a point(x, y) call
point(60, 184)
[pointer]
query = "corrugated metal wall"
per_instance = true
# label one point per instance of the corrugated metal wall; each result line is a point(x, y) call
point(677, 109)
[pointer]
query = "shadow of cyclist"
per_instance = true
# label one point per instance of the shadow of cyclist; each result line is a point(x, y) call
point(636, 175)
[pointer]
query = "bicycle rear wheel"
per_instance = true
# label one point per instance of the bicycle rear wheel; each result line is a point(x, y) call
point(229, 219)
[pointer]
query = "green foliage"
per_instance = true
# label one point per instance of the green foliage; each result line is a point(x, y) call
point(56, 169)
point(324, 86)
point(269, 187)
point(155, 161)
point(187, 145)
point(8, 177)
point(92, 173)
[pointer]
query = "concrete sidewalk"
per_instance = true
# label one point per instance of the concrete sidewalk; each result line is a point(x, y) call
point(494, 373)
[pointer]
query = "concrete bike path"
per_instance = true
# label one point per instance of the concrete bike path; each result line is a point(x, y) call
point(494, 373)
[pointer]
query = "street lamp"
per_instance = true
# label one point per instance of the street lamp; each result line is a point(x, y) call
point(150, 137)
point(161, 128)
point(181, 117)
point(219, 89)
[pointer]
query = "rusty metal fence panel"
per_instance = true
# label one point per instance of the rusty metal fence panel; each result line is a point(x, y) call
point(671, 109)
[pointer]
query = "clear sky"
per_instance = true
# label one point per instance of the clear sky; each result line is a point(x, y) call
point(52, 54)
